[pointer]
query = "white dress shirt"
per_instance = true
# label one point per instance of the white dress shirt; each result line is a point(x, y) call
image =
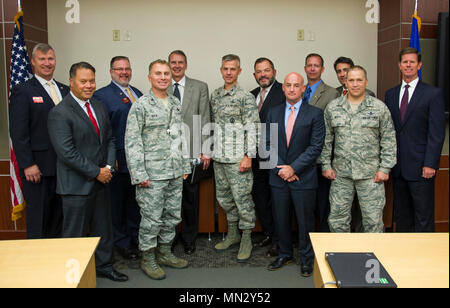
point(83, 106)
point(265, 95)
point(412, 87)
point(43, 82)
point(181, 87)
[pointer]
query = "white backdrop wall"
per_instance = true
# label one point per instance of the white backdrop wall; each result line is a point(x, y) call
point(208, 29)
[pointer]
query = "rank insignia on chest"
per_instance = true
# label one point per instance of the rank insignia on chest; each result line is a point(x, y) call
point(232, 120)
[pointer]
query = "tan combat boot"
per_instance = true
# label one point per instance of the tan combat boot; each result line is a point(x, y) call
point(245, 250)
point(165, 257)
point(150, 267)
point(231, 239)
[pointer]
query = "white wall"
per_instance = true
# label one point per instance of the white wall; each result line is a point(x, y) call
point(208, 29)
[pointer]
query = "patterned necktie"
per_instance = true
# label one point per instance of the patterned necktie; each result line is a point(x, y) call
point(91, 117)
point(176, 92)
point(53, 94)
point(290, 125)
point(344, 93)
point(262, 94)
point(130, 95)
point(306, 95)
point(404, 103)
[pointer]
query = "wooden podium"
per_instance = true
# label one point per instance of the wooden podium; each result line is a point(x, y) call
point(48, 263)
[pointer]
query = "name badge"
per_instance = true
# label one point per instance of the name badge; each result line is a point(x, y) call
point(38, 100)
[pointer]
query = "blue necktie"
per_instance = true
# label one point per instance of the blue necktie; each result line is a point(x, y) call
point(176, 92)
point(306, 95)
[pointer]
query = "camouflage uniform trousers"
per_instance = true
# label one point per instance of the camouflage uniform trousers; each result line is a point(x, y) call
point(160, 210)
point(371, 198)
point(234, 194)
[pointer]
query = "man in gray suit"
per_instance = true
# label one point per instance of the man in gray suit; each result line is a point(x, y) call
point(82, 137)
point(194, 97)
point(319, 94)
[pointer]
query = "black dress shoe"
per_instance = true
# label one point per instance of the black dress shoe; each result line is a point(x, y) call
point(112, 275)
point(265, 242)
point(273, 251)
point(189, 248)
point(306, 270)
point(279, 263)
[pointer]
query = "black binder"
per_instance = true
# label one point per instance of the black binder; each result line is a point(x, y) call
point(358, 270)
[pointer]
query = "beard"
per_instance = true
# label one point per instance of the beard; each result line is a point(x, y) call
point(268, 84)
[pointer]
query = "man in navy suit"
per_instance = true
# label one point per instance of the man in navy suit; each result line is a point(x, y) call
point(30, 103)
point(268, 94)
point(301, 133)
point(118, 97)
point(417, 110)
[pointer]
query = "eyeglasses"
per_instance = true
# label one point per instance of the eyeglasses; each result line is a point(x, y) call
point(122, 69)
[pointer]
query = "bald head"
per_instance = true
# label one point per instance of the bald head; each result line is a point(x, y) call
point(293, 87)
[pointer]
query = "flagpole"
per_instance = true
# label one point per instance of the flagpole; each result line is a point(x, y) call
point(415, 8)
point(19, 6)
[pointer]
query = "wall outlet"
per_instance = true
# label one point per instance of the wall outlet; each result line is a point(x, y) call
point(116, 35)
point(300, 35)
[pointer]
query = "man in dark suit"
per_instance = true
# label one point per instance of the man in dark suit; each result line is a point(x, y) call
point(301, 133)
point(267, 95)
point(319, 94)
point(30, 103)
point(118, 97)
point(194, 98)
point(81, 134)
point(417, 110)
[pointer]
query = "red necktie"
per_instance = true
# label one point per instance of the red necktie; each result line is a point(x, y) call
point(91, 116)
point(404, 103)
point(344, 93)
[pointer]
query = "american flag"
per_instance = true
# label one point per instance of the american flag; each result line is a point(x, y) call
point(20, 72)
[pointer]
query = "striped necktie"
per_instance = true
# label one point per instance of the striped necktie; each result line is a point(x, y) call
point(130, 95)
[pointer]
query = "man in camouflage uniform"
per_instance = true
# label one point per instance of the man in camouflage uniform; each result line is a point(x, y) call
point(153, 147)
point(364, 152)
point(236, 119)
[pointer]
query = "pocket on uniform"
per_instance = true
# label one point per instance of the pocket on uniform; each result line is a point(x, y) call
point(370, 123)
point(154, 120)
point(337, 123)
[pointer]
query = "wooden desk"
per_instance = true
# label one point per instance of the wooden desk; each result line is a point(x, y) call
point(49, 263)
point(414, 260)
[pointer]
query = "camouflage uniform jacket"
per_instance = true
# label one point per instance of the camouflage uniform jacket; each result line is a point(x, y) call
point(364, 142)
point(235, 111)
point(153, 140)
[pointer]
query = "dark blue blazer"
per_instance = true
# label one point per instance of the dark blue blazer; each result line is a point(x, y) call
point(421, 135)
point(28, 126)
point(305, 145)
point(118, 106)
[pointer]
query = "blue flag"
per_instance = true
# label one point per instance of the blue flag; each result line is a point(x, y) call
point(414, 40)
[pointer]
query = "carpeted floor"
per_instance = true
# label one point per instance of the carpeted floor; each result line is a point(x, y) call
point(206, 256)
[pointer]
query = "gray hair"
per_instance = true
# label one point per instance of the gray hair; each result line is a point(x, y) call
point(42, 47)
point(232, 57)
